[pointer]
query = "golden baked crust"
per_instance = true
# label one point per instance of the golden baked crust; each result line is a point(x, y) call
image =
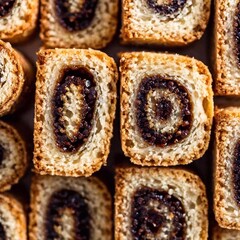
point(93, 153)
point(14, 165)
point(129, 179)
point(225, 65)
point(97, 35)
point(91, 189)
point(18, 26)
point(137, 65)
point(20, 71)
point(225, 234)
point(226, 134)
point(142, 25)
point(13, 217)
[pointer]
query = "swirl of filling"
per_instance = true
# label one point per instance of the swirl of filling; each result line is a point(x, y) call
point(164, 7)
point(2, 232)
point(75, 15)
point(73, 108)
point(236, 172)
point(163, 111)
point(157, 215)
point(66, 208)
point(236, 26)
point(6, 6)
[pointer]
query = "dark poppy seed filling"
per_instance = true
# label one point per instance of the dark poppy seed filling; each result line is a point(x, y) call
point(167, 9)
point(6, 7)
point(85, 88)
point(156, 214)
point(173, 102)
point(67, 199)
point(75, 16)
point(237, 32)
point(2, 232)
point(236, 172)
point(1, 153)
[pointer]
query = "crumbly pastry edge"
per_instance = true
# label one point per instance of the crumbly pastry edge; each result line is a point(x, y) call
point(221, 115)
point(124, 64)
point(123, 173)
point(38, 153)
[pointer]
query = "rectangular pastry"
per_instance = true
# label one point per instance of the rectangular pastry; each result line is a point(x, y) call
point(166, 108)
point(18, 19)
point(226, 55)
point(227, 165)
point(78, 24)
point(225, 234)
point(69, 208)
point(13, 225)
point(13, 156)
point(15, 78)
point(170, 23)
point(74, 111)
point(158, 203)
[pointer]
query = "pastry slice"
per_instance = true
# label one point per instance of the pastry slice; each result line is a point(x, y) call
point(227, 165)
point(18, 19)
point(15, 76)
point(74, 111)
point(12, 219)
point(170, 23)
point(13, 156)
point(70, 208)
point(226, 54)
point(78, 23)
point(166, 108)
point(157, 203)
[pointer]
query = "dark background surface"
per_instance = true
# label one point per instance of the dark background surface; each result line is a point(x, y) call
point(23, 119)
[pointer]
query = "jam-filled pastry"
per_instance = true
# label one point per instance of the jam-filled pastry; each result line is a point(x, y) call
point(12, 219)
point(170, 23)
point(225, 234)
point(78, 23)
point(157, 203)
point(166, 108)
point(227, 167)
point(70, 208)
point(74, 111)
point(18, 19)
point(13, 156)
point(226, 54)
point(15, 76)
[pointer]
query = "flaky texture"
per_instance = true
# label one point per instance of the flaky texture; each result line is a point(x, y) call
point(227, 134)
point(95, 194)
point(21, 21)
point(12, 218)
point(143, 25)
point(225, 61)
point(14, 162)
point(15, 79)
point(185, 186)
point(97, 35)
point(48, 159)
point(190, 73)
point(225, 234)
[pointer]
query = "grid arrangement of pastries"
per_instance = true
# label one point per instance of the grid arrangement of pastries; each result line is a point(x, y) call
point(165, 111)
